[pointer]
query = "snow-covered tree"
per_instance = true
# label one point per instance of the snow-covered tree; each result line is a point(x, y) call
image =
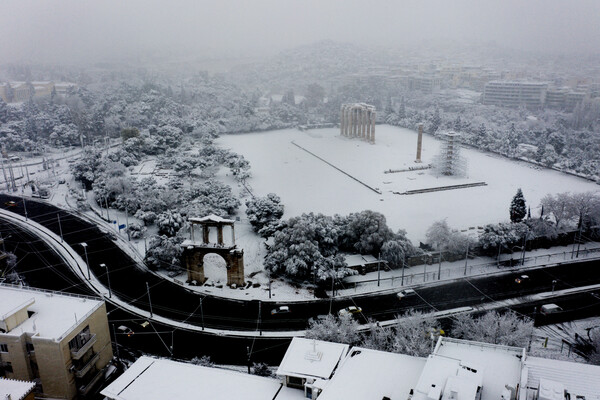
point(264, 212)
point(365, 232)
point(518, 209)
point(169, 223)
point(332, 329)
point(164, 252)
point(498, 328)
point(415, 334)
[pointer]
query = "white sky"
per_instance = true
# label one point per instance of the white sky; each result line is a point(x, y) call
point(80, 30)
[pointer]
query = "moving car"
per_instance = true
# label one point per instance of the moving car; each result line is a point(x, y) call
point(351, 310)
point(125, 330)
point(522, 279)
point(550, 309)
point(280, 310)
point(10, 204)
point(404, 293)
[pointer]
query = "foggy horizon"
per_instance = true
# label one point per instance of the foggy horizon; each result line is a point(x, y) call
point(81, 32)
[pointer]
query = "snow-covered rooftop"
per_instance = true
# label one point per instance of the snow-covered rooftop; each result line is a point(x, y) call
point(159, 379)
point(354, 260)
point(499, 365)
point(308, 358)
point(370, 374)
point(54, 315)
point(15, 389)
point(578, 379)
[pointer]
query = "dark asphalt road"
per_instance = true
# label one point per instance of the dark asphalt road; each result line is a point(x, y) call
point(128, 281)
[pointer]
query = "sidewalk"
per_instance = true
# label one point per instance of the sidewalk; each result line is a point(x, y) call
point(429, 274)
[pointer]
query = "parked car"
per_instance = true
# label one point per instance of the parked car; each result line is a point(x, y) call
point(351, 310)
point(10, 204)
point(280, 310)
point(405, 293)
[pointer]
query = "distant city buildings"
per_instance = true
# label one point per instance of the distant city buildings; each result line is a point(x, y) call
point(515, 93)
point(14, 92)
point(61, 342)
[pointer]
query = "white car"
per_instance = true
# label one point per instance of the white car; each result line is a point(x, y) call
point(404, 293)
point(280, 310)
point(352, 310)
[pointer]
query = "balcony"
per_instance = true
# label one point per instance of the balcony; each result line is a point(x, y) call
point(78, 352)
point(86, 388)
point(84, 369)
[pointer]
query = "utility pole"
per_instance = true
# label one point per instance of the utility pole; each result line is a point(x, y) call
point(524, 247)
point(378, 269)
point(259, 321)
point(440, 267)
point(149, 299)
point(4, 172)
point(106, 200)
point(402, 270)
point(59, 227)
point(201, 313)
point(84, 245)
point(127, 225)
point(466, 259)
point(116, 344)
point(248, 355)
point(25, 207)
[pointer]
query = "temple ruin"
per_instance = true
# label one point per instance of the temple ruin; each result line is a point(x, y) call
point(357, 120)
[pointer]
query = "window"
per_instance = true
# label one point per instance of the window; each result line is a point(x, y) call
point(29, 347)
point(80, 339)
point(3, 348)
point(8, 367)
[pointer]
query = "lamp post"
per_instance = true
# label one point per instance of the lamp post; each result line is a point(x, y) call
point(87, 262)
point(108, 277)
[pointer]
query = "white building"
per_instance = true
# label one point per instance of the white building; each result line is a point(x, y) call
point(160, 379)
point(515, 93)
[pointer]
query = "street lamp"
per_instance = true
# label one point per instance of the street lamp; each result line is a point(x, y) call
point(108, 277)
point(84, 245)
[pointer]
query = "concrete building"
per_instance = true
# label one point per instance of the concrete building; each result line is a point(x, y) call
point(61, 342)
point(515, 93)
point(428, 83)
point(314, 369)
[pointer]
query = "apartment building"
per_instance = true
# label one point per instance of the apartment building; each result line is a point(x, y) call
point(515, 93)
point(61, 342)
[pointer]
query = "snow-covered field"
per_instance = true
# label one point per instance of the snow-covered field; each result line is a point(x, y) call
point(307, 184)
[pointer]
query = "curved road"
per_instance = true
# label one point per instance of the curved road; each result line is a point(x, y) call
point(128, 282)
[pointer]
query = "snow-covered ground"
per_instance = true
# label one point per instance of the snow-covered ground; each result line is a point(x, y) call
point(307, 184)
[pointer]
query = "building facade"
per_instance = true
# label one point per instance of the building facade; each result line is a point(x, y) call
point(61, 342)
point(515, 93)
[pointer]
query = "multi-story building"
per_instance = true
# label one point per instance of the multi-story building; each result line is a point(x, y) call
point(14, 92)
point(61, 342)
point(515, 93)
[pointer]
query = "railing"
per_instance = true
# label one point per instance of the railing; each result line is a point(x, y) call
point(76, 354)
point(85, 389)
point(80, 372)
point(471, 270)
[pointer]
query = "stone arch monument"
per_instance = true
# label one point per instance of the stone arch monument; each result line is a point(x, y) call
point(195, 250)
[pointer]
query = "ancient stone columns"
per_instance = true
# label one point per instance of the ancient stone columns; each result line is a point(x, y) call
point(358, 120)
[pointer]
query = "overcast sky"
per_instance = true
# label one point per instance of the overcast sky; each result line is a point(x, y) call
point(76, 30)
